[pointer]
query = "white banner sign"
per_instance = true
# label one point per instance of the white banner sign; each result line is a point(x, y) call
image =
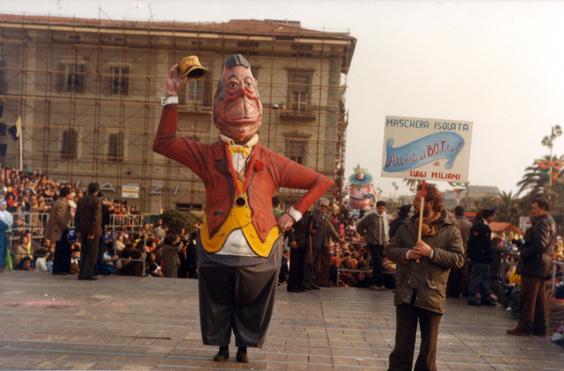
point(423, 148)
point(130, 191)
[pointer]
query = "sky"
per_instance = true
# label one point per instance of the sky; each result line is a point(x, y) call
point(498, 64)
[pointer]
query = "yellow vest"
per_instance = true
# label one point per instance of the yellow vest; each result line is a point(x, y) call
point(240, 217)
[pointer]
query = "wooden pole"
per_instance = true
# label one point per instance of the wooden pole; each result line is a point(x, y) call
point(422, 195)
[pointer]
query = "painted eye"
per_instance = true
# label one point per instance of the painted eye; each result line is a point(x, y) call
point(232, 84)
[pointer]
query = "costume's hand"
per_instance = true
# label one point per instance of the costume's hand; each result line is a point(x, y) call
point(293, 244)
point(173, 81)
point(422, 248)
point(90, 237)
point(285, 222)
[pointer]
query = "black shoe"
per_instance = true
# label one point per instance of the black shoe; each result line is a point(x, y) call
point(314, 287)
point(222, 355)
point(474, 301)
point(242, 355)
point(488, 302)
point(88, 278)
point(307, 288)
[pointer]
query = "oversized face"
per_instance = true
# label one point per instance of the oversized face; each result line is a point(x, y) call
point(237, 106)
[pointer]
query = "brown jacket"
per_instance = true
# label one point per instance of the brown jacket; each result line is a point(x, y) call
point(271, 171)
point(88, 218)
point(427, 279)
point(59, 220)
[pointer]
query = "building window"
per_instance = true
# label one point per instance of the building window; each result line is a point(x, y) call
point(195, 91)
point(296, 150)
point(71, 77)
point(120, 80)
point(70, 145)
point(299, 90)
point(116, 147)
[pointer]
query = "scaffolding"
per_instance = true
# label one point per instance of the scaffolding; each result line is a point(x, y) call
point(88, 92)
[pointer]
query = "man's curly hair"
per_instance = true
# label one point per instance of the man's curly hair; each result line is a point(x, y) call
point(434, 196)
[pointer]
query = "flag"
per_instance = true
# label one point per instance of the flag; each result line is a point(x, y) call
point(18, 127)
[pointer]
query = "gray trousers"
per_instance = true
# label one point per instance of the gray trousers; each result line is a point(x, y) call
point(479, 280)
point(237, 296)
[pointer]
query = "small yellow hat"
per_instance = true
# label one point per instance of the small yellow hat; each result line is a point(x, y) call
point(190, 67)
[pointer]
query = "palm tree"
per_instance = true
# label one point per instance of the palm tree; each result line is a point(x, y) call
point(508, 208)
point(536, 180)
point(412, 184)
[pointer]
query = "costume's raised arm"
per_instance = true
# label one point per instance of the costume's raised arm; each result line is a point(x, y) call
point(168, 144)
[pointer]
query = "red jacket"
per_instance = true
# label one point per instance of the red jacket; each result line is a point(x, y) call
point(209, 162)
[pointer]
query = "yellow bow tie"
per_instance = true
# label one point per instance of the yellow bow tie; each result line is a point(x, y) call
point(246, 151)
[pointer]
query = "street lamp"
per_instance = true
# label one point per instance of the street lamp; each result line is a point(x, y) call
point(547, 141)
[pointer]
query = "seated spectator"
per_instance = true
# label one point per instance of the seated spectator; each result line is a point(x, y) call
point(25, 264)
point(26, 248)
point(75, 257)
point(154, 270)
point(132, 260)
point(43, 261)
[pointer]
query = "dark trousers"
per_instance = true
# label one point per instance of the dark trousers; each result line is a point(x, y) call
point(62, 258)
point(480, 280)
point(377, 254)
point(533, 306)
point(458, 282)
point(238, 299)
point(297, 268)
point(88, 256)
point(401, 358)
point(310, 274)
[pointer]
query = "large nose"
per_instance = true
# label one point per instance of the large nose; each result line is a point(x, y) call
point(241, 90)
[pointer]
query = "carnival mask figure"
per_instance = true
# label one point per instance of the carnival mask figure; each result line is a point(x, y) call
point(240, 244)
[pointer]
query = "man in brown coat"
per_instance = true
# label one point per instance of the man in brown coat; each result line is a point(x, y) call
point(89, 226)
point(422, 273)
point(56, 231)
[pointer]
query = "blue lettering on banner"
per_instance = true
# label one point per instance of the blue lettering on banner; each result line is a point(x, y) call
point(441, 145)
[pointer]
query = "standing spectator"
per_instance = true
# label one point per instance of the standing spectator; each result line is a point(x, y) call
point(100, 263)
point(284, 269)
point(169, 255)
point(403, 213)
point(422, 273)
point(480, 255)
point(320, 229)
point(374, 226)
point(89, 225)
point(57, 229)
point(458, 278)
point(534, 266)
point(298, 241)
point(6, 221)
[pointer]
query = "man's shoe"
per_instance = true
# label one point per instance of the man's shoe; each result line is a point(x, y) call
point(517, 332)
point(488, 302)
point(222, 355)
point(474, 301)
point(242, 355)
point(88, 278)
point(314, 287)
point(377, 287)
point(538, 333)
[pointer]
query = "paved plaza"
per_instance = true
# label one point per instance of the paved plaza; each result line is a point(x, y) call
point(58, 322)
